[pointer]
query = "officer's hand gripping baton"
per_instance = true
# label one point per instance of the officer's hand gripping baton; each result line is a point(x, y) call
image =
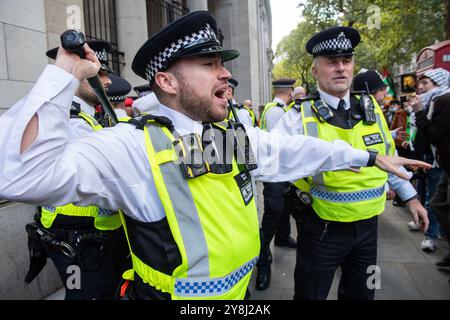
point(73, 41)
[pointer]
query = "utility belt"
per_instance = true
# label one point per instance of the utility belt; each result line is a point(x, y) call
point(70, 243)
point(299, 204)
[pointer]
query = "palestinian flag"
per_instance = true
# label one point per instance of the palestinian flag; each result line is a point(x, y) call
point(388, 81)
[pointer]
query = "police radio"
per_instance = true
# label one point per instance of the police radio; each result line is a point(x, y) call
point(246, 160)
point(322, 110)
point(190, 153)
point(368, 108)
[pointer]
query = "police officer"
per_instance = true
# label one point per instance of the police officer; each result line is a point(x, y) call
point(338, 224)
point(371, 80)
point(193, 231)
point(118, 90)
point(244, 113)
point(275, 220)
point(94, 235)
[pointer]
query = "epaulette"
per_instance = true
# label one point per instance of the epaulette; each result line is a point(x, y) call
point(142, 120)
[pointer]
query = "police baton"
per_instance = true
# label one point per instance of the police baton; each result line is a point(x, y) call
point(73, 41)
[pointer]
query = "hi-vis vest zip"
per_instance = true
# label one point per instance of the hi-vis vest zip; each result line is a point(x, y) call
point(103, 219)
point(344, 195)
point(216, 233)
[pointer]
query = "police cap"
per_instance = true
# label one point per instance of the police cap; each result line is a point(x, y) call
point(118, 89)
point(191, 35)
point(372, 78)
point(101, 49)
point(284, 83)
point(233, 83)
point(143, 90)
point(335, 41)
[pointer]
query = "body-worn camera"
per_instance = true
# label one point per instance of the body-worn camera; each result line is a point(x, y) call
point(322, 111)
point(368, 108)
point(190, 153)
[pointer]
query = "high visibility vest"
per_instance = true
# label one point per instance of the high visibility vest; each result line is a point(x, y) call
point(103, 219)
point(216, 233)
point(267, 108)
point(344, 195)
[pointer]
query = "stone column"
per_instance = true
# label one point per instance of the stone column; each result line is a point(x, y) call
point(195, 5)
point(131, 35)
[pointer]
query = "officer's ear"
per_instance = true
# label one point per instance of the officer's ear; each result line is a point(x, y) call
point(167, 82)
point(314, 68)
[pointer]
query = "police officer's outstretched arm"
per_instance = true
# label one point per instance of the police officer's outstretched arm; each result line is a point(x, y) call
point(73, 64)
point(392, 165)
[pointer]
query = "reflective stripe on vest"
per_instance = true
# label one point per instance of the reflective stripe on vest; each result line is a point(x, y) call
point(343, 195)
point(103, 219)
point(90, 120)
point(218, 239)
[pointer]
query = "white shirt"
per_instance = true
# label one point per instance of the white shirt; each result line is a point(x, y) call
point(274, 114)
point(291, 124)
point(146, 104)
point(110, 168)
point(244, 116)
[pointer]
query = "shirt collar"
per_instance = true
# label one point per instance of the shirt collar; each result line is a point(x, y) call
point(84, 106)
point(182, 123)
point(333, 101)
point(276, 99)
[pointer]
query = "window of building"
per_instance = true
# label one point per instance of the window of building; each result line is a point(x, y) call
point(100, 24)
point(162, 12)
point(446, 58)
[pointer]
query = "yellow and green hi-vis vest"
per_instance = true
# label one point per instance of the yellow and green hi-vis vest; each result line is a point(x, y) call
point(344, 195)
point(216, 233)
point(103, 219)
point(267, 108)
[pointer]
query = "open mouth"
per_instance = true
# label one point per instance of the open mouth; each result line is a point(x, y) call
point(220, 94)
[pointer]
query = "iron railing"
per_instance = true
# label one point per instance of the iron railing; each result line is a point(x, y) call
point(161, 12)
point(100, 24)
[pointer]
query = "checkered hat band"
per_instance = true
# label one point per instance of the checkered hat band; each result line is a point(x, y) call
point(160, 60)
point(332, 44)
point(102, 56)
point(143, 93)
point(117, 98)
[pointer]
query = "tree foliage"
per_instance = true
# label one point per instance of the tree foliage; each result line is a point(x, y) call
point(391, 31)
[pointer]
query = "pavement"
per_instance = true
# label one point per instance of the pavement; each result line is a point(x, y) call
point(407, 273)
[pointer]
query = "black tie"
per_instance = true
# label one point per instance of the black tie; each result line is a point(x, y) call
point(341, 106)
point(345, 113)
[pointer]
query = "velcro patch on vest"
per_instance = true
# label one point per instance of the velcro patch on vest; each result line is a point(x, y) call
point(244, 182)
point(371, 139)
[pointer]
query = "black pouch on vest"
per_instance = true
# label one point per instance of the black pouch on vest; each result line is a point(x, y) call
point(38, 256)
point(190, 153)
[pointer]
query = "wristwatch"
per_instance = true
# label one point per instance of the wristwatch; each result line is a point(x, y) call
point(372, 157)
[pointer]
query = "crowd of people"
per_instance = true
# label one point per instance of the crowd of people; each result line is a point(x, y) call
point(163, 205)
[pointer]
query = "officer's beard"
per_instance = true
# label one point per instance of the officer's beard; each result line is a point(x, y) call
point(197, 107)
point(86, 93)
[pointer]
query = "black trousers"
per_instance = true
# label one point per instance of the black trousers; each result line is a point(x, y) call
point(96, 270)
point(273, 211)
point(441, 204)
point(324, 246)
